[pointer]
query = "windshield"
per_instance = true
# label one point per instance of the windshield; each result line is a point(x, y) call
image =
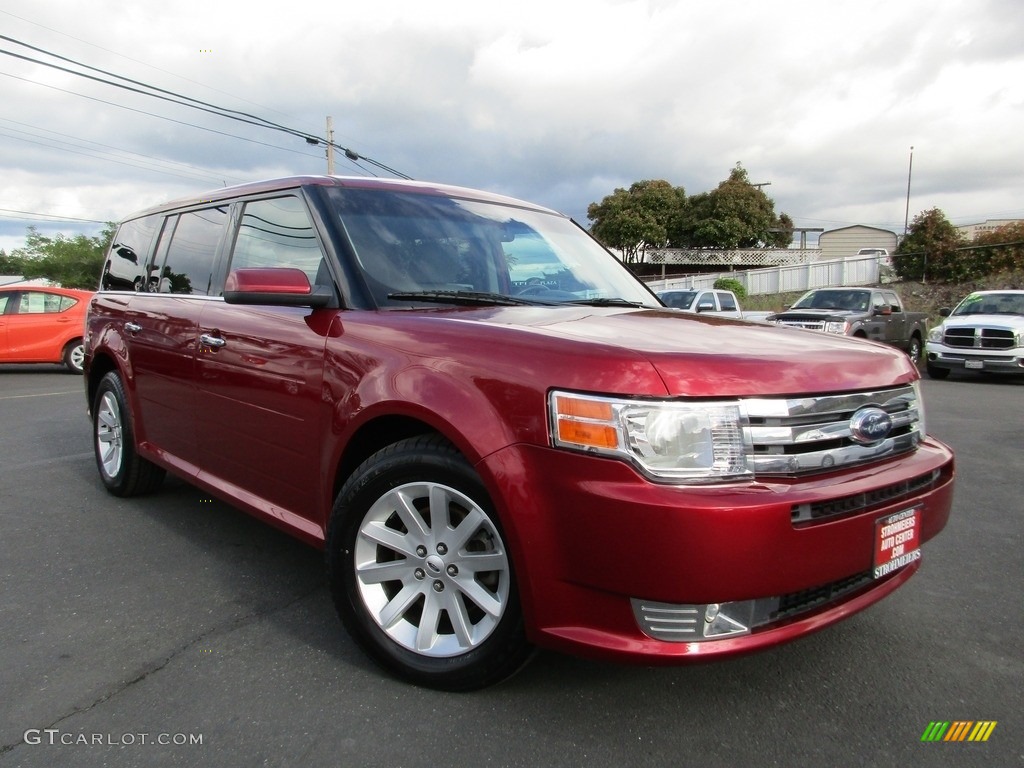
point(854, 301)
point(678, 299)
point(991, 304)
point(408, 243)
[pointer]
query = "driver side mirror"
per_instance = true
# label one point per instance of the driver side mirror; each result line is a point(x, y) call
point(274, 286)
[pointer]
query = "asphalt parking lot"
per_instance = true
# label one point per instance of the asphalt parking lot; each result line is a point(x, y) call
point(173, 630)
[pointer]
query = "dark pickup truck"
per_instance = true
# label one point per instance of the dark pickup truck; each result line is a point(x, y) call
point(869, 313)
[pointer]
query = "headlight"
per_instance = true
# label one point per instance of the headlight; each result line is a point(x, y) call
point(935, 334)
point(922, 424)
point(684, 442)
point(837, 326)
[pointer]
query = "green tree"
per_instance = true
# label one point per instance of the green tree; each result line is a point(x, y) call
point(731, 284)
point(73, 262)
point(930, 250)
point(736, 214)
point(1001, 249)
point(10, 264)
point(637, 219)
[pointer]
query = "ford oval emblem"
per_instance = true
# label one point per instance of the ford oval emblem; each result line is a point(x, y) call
point(870, 425)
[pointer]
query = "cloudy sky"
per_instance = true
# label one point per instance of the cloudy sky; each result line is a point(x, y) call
point(555, 101)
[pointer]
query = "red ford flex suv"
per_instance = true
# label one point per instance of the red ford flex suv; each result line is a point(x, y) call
point(499, 437)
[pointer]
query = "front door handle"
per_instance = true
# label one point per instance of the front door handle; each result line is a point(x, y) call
point(214, 342)
point(132, 327)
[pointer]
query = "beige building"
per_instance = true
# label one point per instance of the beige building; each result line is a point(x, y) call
point(846, 241)
point(971, 231)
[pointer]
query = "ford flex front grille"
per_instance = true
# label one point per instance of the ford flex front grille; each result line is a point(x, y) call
point(814, 434)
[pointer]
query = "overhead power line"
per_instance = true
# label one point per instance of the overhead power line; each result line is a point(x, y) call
point(187, 101)
point(121, 54)
point(88, 146)
point(153, 114)
point(50, 217)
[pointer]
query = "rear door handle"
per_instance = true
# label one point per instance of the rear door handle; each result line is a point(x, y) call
point(211, 341)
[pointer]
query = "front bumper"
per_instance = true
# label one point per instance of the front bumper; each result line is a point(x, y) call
point(590, 537)
point(941, 356)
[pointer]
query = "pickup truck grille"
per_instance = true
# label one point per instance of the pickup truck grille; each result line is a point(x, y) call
point(979, 338)
point(810, 325)
point(814, 434)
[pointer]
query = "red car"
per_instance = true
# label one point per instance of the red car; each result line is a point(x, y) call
point(42, 325)
point(500, 437)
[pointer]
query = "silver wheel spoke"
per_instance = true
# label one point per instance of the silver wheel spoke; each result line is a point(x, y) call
point(481, 597)
point(438, 507)
point(413, 520)
point(459, 617)
point(426, 633)
point(399, 542)
point(398, 605)
point(381, 573)
point(467, 528)
point(484, 562)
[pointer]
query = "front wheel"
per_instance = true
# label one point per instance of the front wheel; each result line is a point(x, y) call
point(122, 470)
point(420, 572)
point(914, 350)
point(935, 372)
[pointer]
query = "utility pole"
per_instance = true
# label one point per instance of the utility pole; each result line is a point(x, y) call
point(906, 216)
point(330, 145)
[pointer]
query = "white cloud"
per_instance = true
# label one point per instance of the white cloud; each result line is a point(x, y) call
point(554, 102)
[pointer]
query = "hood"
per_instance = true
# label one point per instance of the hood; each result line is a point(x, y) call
point(1009, 322)
point(693, 355)
point(814, 314)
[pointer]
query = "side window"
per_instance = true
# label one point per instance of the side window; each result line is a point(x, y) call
point(892, 300)
point(192, 253)
point(127, 263)
point(706, 302)
point(36, 303)
point(277, 233)
point(3, 304)
point(726, 301)
point(877, 302)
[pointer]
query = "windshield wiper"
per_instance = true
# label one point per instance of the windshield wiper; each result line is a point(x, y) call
point(468, 298)
point(607, 302)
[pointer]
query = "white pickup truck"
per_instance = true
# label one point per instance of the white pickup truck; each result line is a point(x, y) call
point(984, 333)
point(704, 301)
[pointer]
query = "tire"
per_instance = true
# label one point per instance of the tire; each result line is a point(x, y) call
point(122, 470)
point(935, 372)
point(914, 350)
point(73, 356)
point(419, 570)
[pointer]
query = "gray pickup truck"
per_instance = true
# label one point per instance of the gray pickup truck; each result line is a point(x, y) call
point(870, 313)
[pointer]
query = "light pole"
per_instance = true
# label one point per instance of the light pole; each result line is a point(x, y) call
point(906, 216)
